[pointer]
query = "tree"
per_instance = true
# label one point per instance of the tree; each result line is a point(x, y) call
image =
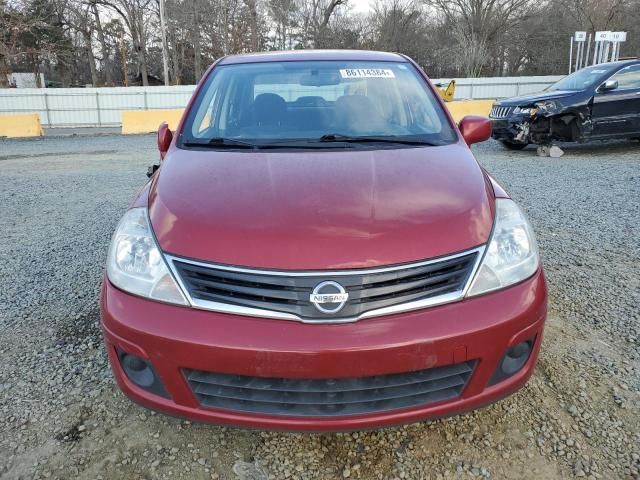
point(101, 41)
point(400, 27)
point(79, 17)
point(478, 25)
point(284, 14)
point(16, 27)
point(134, 14)
point(315, 17)
point(104, 49)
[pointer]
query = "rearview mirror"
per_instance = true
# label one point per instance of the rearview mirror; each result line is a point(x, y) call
point(608, 85)
point(475, 129)
point(164, 139)
point(320, 78)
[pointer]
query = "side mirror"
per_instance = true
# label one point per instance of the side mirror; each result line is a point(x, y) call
point(608, 85)
point(475, 129)
point(164, 139)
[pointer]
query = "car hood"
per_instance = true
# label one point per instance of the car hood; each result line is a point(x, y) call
point(527, 100)
point(320, 210)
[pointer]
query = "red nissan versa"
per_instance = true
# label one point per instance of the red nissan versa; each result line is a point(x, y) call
point(319, 250)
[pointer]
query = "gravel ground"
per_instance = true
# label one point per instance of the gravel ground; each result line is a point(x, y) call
point(61, 415)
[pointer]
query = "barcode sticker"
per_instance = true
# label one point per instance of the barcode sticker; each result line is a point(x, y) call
point(367, 73)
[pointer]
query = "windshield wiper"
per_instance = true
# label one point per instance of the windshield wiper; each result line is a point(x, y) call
point(221, 142)
point(337, 137)
point(217, 142)
point(232, 143)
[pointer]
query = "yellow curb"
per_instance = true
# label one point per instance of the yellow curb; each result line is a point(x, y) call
point(146, 121)
point(461, 108)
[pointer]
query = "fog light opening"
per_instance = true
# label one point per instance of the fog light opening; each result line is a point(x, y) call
point(141, 373)
point(138, 370)
point(514, 359)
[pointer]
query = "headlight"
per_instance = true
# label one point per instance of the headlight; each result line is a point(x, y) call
point(135, 263)
point(547, 106)
point(524, 110)
point(512, 253)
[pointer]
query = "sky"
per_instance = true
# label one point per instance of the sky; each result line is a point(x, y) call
point(360, 6)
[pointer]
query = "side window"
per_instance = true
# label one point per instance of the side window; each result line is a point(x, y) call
point(422, 111)
point(628, 77)
point(219, 106)
point(228, 114)
point(204, 119)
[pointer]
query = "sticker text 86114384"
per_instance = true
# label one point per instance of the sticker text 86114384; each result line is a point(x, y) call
point(366, 73)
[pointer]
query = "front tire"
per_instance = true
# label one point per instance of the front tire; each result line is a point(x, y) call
point(513, 146)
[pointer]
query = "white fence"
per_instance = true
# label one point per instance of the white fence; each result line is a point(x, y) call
point(498, 87)
point(90, 107)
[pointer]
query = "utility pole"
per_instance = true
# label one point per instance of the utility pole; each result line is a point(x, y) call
point(123, 48)
point(165, 52)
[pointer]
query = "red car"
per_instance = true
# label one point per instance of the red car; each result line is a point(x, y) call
point(320, 250)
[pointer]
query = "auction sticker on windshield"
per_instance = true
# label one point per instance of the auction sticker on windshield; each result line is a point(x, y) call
point(367, 73)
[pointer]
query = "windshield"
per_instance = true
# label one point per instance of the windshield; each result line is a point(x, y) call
point(316, 103)
point(582, 79)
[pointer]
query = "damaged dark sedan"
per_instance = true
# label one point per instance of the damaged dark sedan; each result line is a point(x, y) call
point(600, 102)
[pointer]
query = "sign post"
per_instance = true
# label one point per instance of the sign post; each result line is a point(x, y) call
point(586, 56)
point(602, 46)
point(606, 48)
point(580, 38)
point(570, 54)
point(617, 38)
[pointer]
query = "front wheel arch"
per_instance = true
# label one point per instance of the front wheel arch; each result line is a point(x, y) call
point(569, 127)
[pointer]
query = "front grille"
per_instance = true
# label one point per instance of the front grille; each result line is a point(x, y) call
point(329, 397)
point(500, 112)
point(289, 292)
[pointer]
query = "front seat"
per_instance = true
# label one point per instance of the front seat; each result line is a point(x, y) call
point(269, 110)
point(357, 113)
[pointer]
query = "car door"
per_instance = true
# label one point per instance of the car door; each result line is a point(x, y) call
point(617, 111)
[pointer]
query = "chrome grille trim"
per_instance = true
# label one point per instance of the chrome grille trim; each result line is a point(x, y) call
point(264, 313)
point(498, 111)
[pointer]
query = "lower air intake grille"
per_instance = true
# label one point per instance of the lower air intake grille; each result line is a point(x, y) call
point(331, 397)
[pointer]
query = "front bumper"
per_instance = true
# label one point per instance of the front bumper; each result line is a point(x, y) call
point(175, 339)
point(507, 128)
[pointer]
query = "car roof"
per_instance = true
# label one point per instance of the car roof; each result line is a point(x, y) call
point(619, 63)
point(303, 55)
